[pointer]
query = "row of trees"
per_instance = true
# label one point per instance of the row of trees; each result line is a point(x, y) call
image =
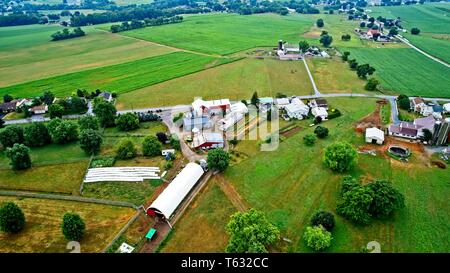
point(135, 24)
point(66, 34)
point(12, 220)
point(362, 71)
point(319, 132)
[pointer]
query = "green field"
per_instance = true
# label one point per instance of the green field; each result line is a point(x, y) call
point(42, 232)
point(291, 183)
point(119, 78)
point(404, 70)
point(434, 44)
point(236, 81)
point(226, 33)
point(26, 52)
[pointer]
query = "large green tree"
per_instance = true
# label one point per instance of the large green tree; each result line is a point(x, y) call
point(19, 155)
point(386, 199)
point(73, 227)
point(151, 146)
point(126, 149)
point(218, 159)
point(90, 141)
point(317, 238)
point(36, 135)
point(355, 205)
point(10, 135)
point(56, 111)
point(127, 122)
point(250, 232)
point(326, 40)
point(363, 70)
point(88, 122)
point(63, 131)
point(105, 112)
point(12, 219)
point(303, 46)
point(340, 156)
point(403, 102)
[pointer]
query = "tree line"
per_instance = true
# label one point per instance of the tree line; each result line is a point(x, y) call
point(135, 24)
point(66, 34)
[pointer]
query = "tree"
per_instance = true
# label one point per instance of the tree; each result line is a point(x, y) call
point(326, 40)
point(340, 156)
point(48, 97)
point(7, 98)
point(218, 159)
point(309, 140)
point(254, 100)
point(56, 111)
point(250, 232)
point(317, 238)
point(90, 141)
point(105, 112)
point(73, 227)
point(321, 132)
point(415, 31)
point(36, 135)
point(363, 70)
point(63, 131)
point(353, 64)
point(12, 219)
point(10, 135)
point(162, 137)
point(393, 31)
point(324, 219)
point(126, 149)
point(151, 146)
point(88, 122)
point(19, 155)
point(372, 84)
point(345, 56)
point(348, 183)
point(386, 199)
point(303, 46)
point(320, 23)
point(427, 135)
point(77, 105)
point(127, 122)
point(355, 205)
point(362, 24)
point(346, 37)
point(403, 102)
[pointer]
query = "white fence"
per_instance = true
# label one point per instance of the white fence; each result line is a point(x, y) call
point(121, 174)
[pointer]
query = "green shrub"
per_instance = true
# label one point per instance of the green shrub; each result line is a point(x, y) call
point(126, 149)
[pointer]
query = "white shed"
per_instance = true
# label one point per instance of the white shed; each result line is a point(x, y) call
point(374, 136)
point(169, 200)
point(320, 112)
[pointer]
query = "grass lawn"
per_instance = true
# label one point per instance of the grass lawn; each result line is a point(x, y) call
point(226, 33)
point(334, 76)
point(202, 226)
point(14, 115)
point(406, 71)
point(119, 78)
point(291, 183)
point(57, 178)
point(42, 232)
point(26, 52)
point(236, 81)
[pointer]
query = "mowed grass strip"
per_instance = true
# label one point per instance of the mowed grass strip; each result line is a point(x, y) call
point(119, 78)
point(236, 81)
point(404, 70)
point(43, 58)
point(202, 226)
point(42, 232)
point(226, 33)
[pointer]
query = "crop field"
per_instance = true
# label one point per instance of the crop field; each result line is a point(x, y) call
point(26, 52)
point(406, 71)
point(119, 78)
point(212, 209)
point(236, 81)
point(432, 43)
point(226, 33)
point(42, 232)
point(291, 183)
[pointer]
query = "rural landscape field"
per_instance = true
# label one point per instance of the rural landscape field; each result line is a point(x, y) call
point(185, 126)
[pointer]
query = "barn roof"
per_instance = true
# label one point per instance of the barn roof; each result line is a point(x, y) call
point(169, 200)
point(375, 133)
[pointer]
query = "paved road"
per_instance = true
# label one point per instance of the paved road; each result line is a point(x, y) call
point(316, 90)
point(423, 52)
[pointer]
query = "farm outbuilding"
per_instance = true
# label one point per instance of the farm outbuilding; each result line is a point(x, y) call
point(374, 136)
point(169, 200)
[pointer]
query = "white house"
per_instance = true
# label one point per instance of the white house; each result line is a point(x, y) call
point(447, 107)
point(296, 109)
point(39, 110)
point(281, 103)
point(320, 112)
point(374, 136)
point(426, 110)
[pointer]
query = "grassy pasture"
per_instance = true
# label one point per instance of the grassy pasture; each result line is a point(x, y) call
point(42, 232)
point(226, 33)
point(202, 226)
point(236, 81)
point(119, 78)
point(291, 183)
point(405, 71)
point(26, 52)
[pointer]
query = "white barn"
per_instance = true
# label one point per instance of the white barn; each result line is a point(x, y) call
point(169, 200)
point(296, 109)
point(374, 136)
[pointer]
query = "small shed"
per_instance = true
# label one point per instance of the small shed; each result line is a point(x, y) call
point(374, 136)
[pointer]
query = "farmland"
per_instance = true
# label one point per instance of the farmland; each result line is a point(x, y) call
point(219, 34)
point(119, 78)
point(42, 232)
point(237, 80)
point(26, 52)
